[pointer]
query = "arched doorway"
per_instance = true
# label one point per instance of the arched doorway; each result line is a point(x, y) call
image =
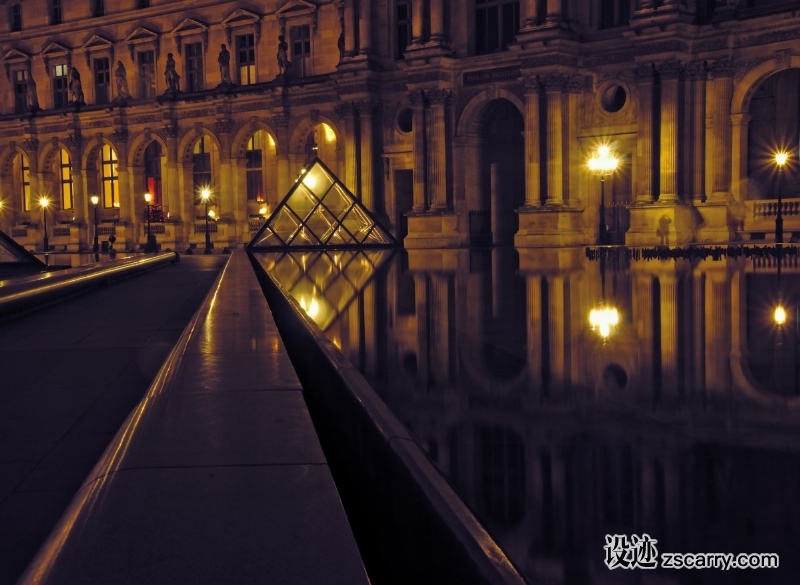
point(502, 170)
point(774, 126)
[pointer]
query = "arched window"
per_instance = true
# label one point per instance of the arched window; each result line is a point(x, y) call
point(110, 178)
point(255, 167)
point(24, 182)
point(152, 172)
point(65, 180)
point(201, 171)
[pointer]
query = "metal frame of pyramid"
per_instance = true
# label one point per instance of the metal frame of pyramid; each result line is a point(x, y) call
point(320, 212)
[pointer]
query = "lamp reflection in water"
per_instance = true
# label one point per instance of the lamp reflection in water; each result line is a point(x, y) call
point(604, 318)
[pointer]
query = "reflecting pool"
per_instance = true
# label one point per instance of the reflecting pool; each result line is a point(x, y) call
point(568, 399)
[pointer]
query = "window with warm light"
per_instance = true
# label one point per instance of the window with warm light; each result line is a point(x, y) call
point(255, 167)
point(152, 171)
point(20, 91)
point(110, 177)
point(65, 178)
point(246, 58)
point(60, 86)
point(24, 181)
point(201, 169)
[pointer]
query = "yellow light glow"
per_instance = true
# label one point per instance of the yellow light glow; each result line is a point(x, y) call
point(603, 320)
point(271, 140)
point(205, 195)
point(262, 211)
point(148, 197)
point(94, 199)
point(44, 202)
point(211, 214)
point(781, 158)
point(309, 181)
point(330, 135)
point(311, 307)
point(780, 315)
point(602, 161)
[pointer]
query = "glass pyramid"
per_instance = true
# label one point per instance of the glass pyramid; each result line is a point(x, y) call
point(324, 282)
point(15, 260)
point(319, 212)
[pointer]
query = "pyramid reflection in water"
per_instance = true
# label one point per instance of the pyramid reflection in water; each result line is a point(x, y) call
point(319, 211)
point(324, 283)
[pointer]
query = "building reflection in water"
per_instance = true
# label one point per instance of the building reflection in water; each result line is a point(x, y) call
point(683, 422)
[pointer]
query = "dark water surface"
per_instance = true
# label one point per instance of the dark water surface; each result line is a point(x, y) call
point(682, 423)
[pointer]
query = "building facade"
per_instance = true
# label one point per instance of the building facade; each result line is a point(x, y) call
point(455, 123)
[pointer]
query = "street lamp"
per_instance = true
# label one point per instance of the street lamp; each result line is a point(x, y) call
point(781, 158)
point(44, 202)
point(602, 164)
point(150, 247)
point(205, 195)
point(96, 248)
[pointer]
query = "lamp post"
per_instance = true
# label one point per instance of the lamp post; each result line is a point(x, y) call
point(44, 202)
point(602, 164)
point(96, 247)
point(781, 158)
point(150, 247)
point(205, 195)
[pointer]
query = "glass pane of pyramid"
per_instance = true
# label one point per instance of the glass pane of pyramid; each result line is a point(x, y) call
point(319, 211)
point(302, 202)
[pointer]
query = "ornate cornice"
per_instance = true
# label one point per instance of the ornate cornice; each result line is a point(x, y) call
point(672, 69)
point(667, 46)
point(366, 106)
point(553, 82)
point(171, 130)
point(31, 144)
point(774, 36)
point(224, 126)
point(281, 119)
point(439, 96)
point(428, 76)
point(416, 97)
point(722, 67)
point(549, 61)
point(344, 109)
point(645, 72)
point(697, 69)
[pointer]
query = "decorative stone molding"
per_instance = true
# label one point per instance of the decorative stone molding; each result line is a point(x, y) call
point(741, 68)
point(281, 119)
point(697, 70)
point(672, 69)
point(54, 129)
point(417, 98)
point(243, 21)
point(775, 36)
point(74, 141)
point(187, 29)
point(366, 106)
point(55, 52)
point(31, 144)
point(645, 72)
point(783, 59)
point(575, 84)
point(722, 68)
point(532, 85)
point(100, 46)
point(428, 76)
point(549, 61)
point(224, 126)
point(439, 96)
point(608, 59)
point(171, 130)
point(670, 46)
point(553, 82)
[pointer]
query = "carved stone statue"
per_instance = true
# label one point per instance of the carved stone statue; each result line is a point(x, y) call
point(75, 87)
point(122, 82)
point(283, 55)
point(224, 61)
point(32, 95)
point(171, 75)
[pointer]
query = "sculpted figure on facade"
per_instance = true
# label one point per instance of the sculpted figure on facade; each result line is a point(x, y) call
point(171, 75)
point(283, 56)
point(224, 61)
point(121, 77)
point(75, 87)
point(32, 95)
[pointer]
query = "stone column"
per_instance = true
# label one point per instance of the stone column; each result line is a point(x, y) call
point(572, 151)
point(698, 132)
point(437, 148)
point(437, 21)
point(365, 110)
point(80, 201)
point(171, 184)
point(347, 111)
point(495, 178)
point(226, 196)
point(281, 123)
point(533, 166)
point(534, 296)
point(423, 349)
point(670, 74)
point(553, 12)
point(643, 320)
point(365, 27)
point(722, 74)
point(349, 28)
point(555, 140)
point(420, 156)
point(698, 380)
point(529, 16)
point(740, 128)
point(645, 76)
point(440, 328)
point(718, 336)
point(556, 326)
point(669, 335)
point(417, 7)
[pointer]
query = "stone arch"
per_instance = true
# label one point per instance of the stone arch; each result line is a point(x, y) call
point(49, 151)
point(139, 144)
point(90, 152)
point(304, 126)
point(469, 123)
point(743, 93)
point(7, 157)
point(243, 134)
point(186, 147)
